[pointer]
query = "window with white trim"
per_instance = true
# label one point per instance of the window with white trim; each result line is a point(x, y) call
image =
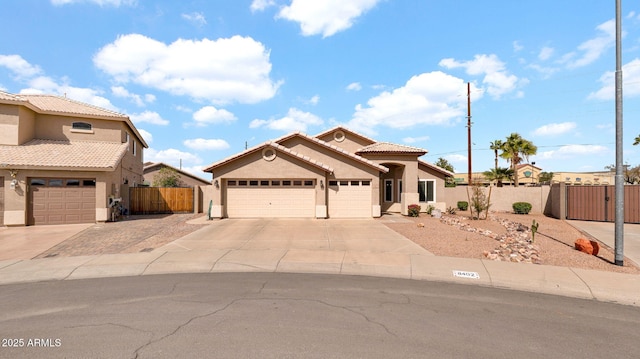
point(135, 147)
point(427, 190)
point(399, 189)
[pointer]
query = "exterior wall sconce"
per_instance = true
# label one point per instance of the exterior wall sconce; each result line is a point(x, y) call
point(216, 183)
point(13, 184)
point(13, 173)
point(321, 184)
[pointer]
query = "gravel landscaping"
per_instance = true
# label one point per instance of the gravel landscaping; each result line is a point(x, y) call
point(506, 237)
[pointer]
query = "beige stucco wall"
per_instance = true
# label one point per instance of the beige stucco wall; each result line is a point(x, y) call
point(55, 127)
point(9, 124)
point(350, 143)
point(502, 198)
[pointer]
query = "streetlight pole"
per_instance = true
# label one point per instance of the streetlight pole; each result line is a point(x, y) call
point(619, 177)
point(469, 129)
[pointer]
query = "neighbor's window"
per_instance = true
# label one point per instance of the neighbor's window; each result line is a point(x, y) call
point(427, 190)
point(81, 126)
point(135, 148)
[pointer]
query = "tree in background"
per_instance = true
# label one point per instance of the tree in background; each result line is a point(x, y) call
point(443, 163)
point(498, 174)
point(516, 149)
point(545, 177)
point(631, 174)
point(636, 141)
point(496, 146)
point(167, 177)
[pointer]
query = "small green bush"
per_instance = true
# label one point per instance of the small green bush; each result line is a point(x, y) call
point(521, 207)
point(451, 210)
point(463, 205)
point(414, 210)
point(430, 209)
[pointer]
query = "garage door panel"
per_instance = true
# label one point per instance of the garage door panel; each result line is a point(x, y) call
point(265, 202)
point(350, 199)
point(61, 204)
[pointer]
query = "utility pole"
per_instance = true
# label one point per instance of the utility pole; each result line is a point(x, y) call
point(619, 188)
point(469, 128)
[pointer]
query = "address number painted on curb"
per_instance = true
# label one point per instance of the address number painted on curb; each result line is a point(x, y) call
point(463, 274)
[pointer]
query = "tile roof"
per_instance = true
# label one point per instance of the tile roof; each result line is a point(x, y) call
point(386, 147)
point(344, 129)
point(149, 166)
point(57, 104)
point(335, 149)
point(275, 146)
point(67, 155)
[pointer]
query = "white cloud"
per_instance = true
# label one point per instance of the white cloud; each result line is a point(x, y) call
point(197, 171)
point(116, 3)
point(19, 66)
point(209, 115)
point(122, 92)
point(573, 151)
point(554, 129)
point(314, 100)
point(326, 17)
point(226, 70)
point(456, 158)
point(196, 18)
point(148, 137)
point(260, 5)
point(590, 50)
point(496, 77)
point(517, 47)
point(545, 53)
point(630, 79)
point(151, 117)
point(206, 144)
point(171, 156)
point(415, 139)
point(354, 86)
point(433, 98)
point(295, 120)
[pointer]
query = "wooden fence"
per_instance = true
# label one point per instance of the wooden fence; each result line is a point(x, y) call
point(156, 200)
point(597, 203)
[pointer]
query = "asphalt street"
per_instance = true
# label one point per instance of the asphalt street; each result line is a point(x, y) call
point(278, 315)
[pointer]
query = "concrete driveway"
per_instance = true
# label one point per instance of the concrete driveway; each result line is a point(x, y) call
point(29, 241)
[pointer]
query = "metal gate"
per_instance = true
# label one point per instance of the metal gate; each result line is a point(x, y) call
point(152, 200)
point(597, 203)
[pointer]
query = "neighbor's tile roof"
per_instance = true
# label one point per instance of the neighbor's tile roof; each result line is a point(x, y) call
point(276, 146)
point(335, 149)
point(344, 129)
point(57, 104)
point(386, 147)
point(9, 97)
point(50, 154)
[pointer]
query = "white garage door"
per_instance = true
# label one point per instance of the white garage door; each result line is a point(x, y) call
point(350, 199)
point(271, 199)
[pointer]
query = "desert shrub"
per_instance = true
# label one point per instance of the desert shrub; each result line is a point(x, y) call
point(414, 210)
point(430, 209)
point(479, 201)
point(463, 205)
point(451, 210)
point(521, 207)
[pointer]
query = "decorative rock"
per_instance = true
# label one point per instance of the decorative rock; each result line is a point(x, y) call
point(420, 225)
point(584, 246)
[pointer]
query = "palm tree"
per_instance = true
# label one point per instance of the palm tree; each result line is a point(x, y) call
point(496, 146)
point(637, 141)
point(498, 174)
point(516, 149)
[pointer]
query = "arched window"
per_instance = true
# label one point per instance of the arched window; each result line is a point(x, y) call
point(81, 126)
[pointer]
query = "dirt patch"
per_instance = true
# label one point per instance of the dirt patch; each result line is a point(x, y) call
point(466, 238)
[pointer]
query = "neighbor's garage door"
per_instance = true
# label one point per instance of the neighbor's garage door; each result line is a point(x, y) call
point(62, 201)
point(271, 198)
point(350, 199)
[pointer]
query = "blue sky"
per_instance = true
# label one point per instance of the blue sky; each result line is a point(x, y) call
point(202, 78)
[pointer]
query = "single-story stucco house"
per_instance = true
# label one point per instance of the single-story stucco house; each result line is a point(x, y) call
point(61, 161)
point(338, 173)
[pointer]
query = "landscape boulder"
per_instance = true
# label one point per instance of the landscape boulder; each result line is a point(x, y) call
point(587, 246)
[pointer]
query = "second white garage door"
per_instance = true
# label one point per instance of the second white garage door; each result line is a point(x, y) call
point(350, 199)
point(271, 199)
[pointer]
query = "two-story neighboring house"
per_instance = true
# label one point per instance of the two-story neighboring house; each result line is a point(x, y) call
point(61, 161)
